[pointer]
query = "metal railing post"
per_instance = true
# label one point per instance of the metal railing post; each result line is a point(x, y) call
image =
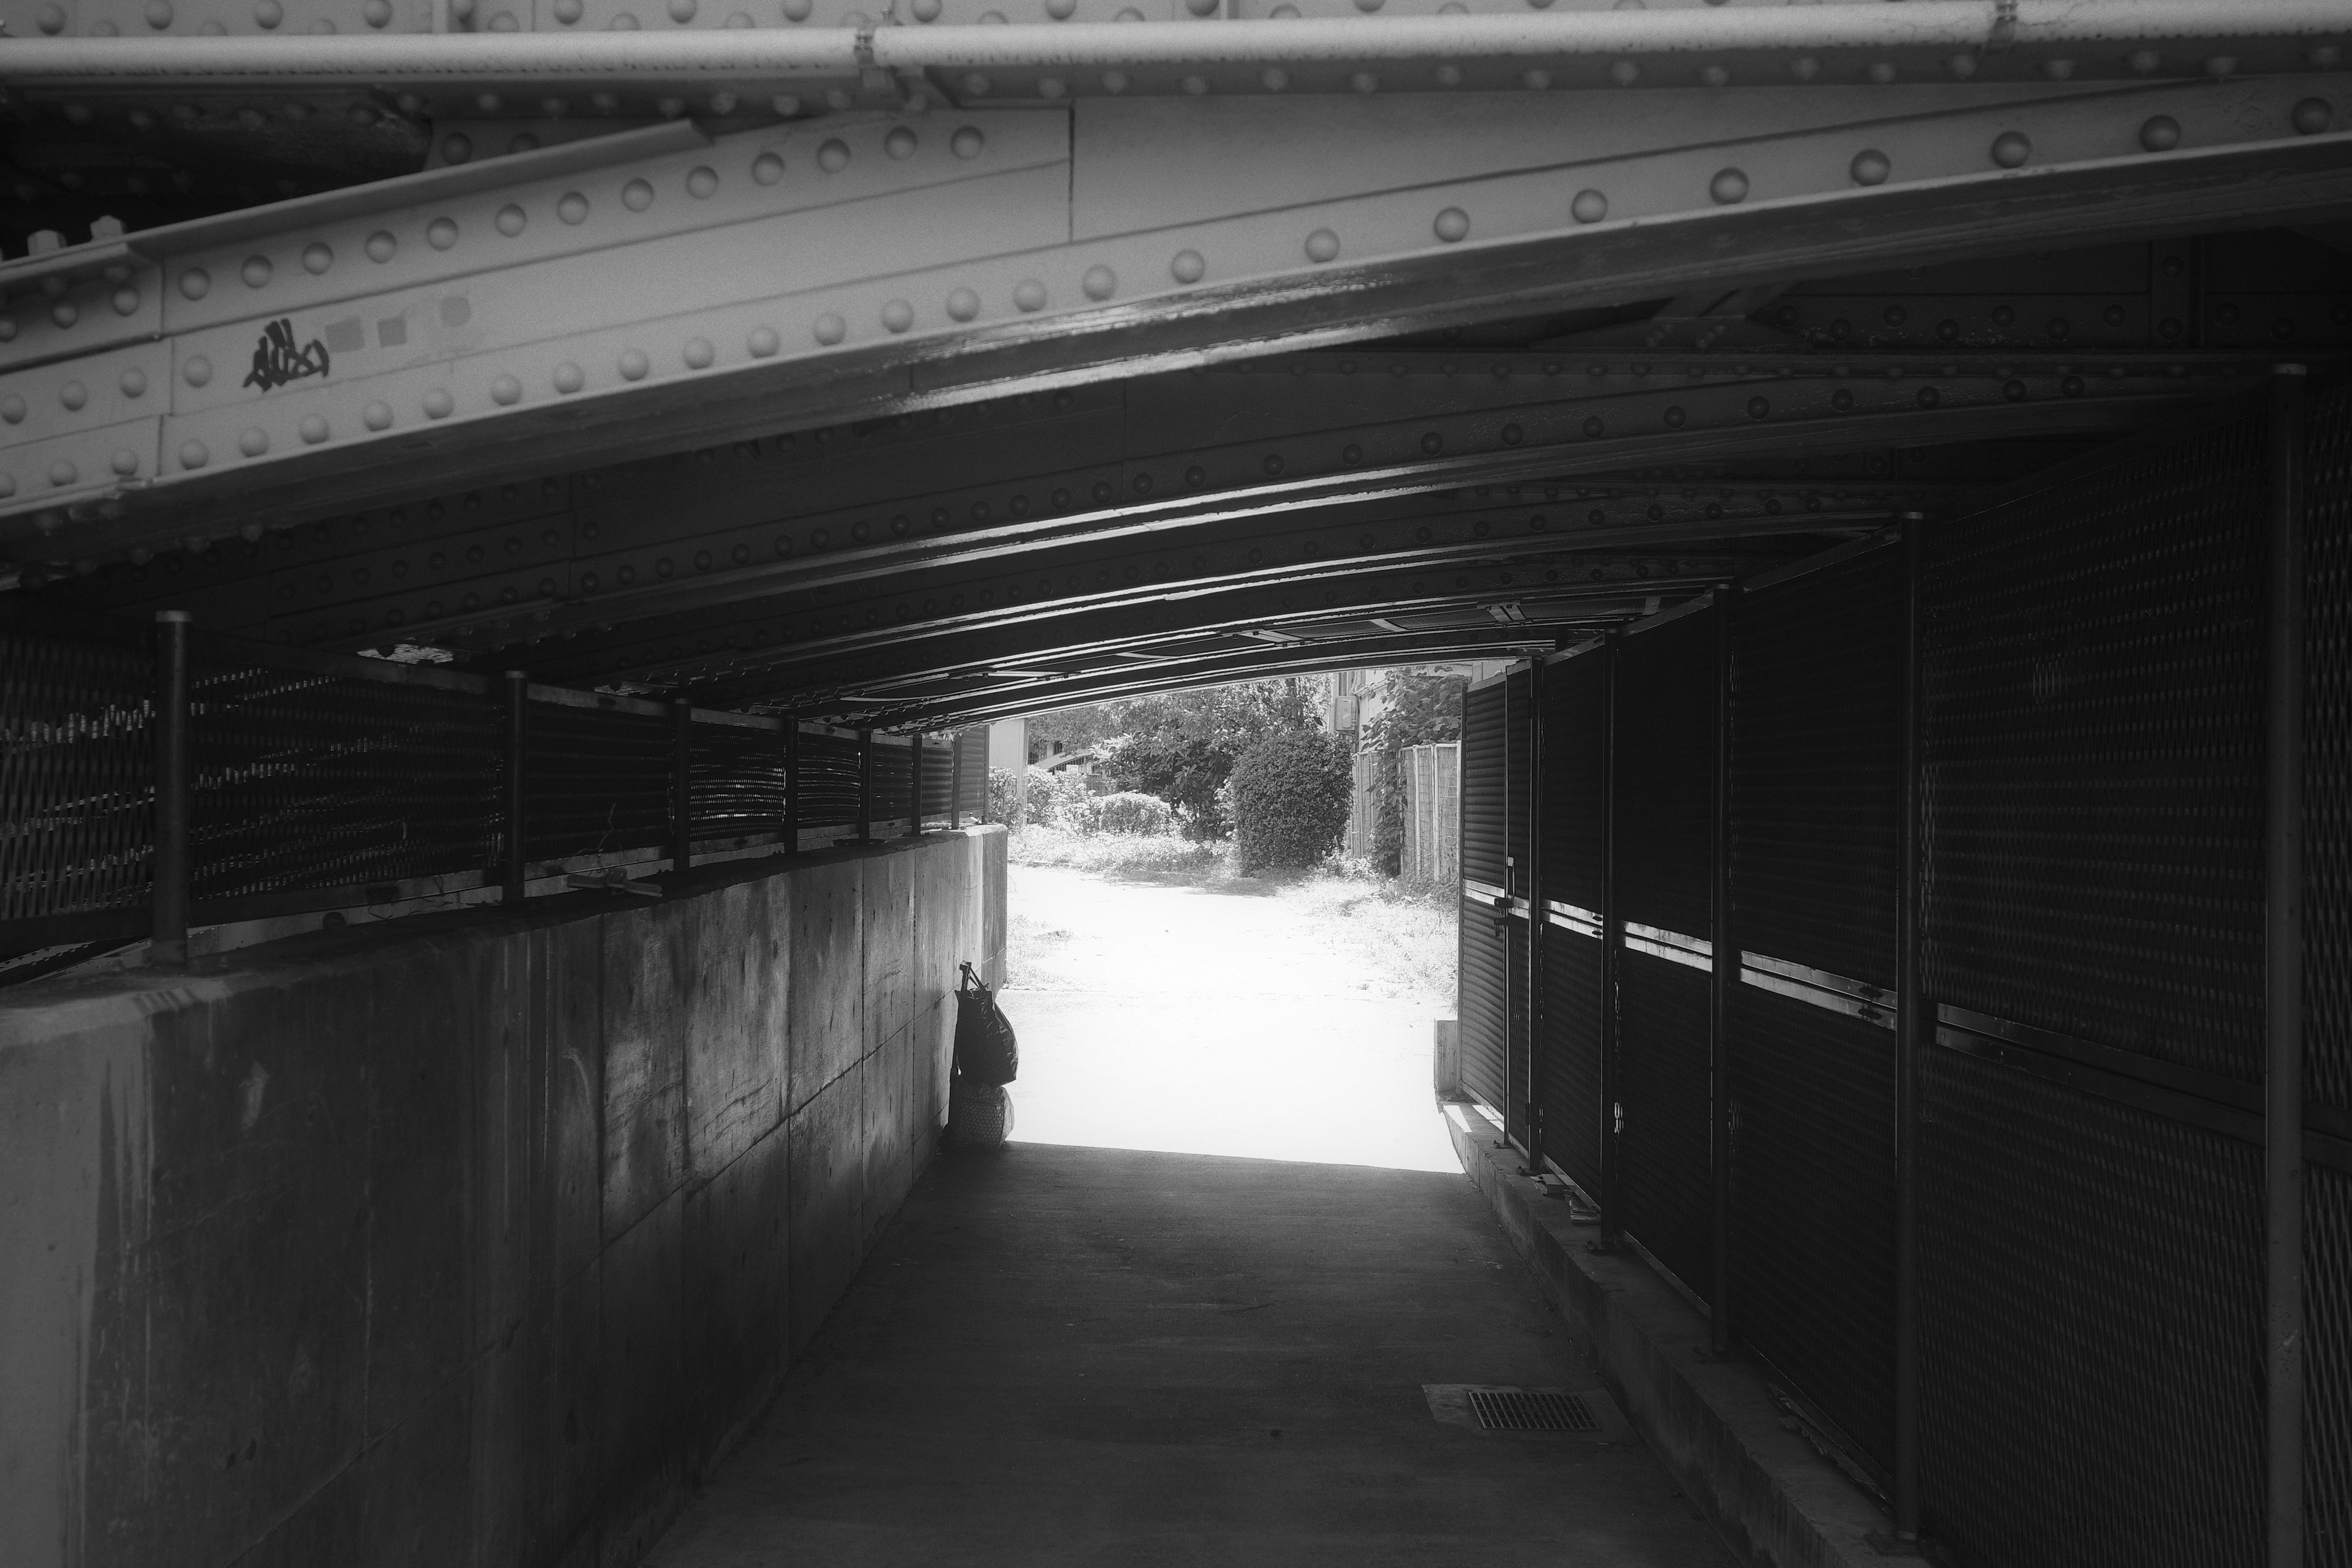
point(168, 938)
point(510, 869)
point(1911, 1026)
point(2282, 1177)
point(681, 786)
point(1719, 993)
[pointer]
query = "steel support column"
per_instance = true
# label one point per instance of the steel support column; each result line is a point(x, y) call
point(1910, 1025)
point(511, 870)
point(168, 941)
point(2283, 1338)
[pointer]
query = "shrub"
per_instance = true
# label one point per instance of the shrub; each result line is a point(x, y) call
point(1129, 811)
point(1003, 782)
point(1290, 795)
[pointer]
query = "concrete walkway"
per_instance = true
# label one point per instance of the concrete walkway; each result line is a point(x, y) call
point(1078, 1356)
point(1191, 1324)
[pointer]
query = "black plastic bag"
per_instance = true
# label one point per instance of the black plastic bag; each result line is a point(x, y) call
point(985, 1051)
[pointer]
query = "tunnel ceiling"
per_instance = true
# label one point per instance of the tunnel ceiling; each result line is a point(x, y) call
point(907, 412)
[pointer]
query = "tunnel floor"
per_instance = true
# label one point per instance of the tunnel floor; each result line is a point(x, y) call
point(1080, 1355)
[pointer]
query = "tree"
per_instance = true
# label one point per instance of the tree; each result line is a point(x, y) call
point(1291, 799)
point(1418, 708)
point(1182, 746)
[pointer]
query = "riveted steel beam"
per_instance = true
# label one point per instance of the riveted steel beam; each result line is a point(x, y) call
point(1590, 536)
point(690, 288)
point(746, 673)
point(969, 495)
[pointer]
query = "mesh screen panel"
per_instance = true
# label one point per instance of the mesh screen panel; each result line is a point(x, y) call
point(1482, 784)
point(76, 763)
point(1664, 1154)
point(2090, 1328)
point(1816, 786)
point(738, 781)
point(307, 780)
point(1575, 783)
point(972, 745)
point(1485, 1006)
point(1571, 1063)
point(594, 781)
point(893, 779)
point(2327, 774)
point(1812, 1229)
point(939, 777)
point(828, 781)
point(2093, 682)
point(1665, 775)
point(2328, 1332)
point(1518, 741)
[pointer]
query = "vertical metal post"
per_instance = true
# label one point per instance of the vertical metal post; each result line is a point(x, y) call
point(168, 936)
point(1719, 993)
point(2282, 1337)
point(510, 873)
point(1612, 940)
point(955, 781)
point(681, 786)
point(865, 786)
point(1535, 885)
point(1911, 1026)
point(791, 785)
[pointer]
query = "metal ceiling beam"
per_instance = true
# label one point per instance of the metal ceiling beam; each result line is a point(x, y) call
point(1145, 467)
point(644, 291)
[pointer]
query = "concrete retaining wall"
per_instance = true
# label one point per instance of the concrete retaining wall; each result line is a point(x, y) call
point(474, 1239)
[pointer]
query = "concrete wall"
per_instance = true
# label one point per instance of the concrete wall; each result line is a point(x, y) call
point(475, 1239)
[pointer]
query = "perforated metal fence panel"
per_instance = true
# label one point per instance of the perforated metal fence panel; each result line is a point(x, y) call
point(828, 780)
point(1485, 978)
point(2091, 1299)
point(2094, 688)
point(739, 785)
point(1665, 724)
point(1816, 796)
point(1572, 800)
point(971, 792)
point(596, 782)
point(2093, 672)
point(2327, 777)
point(1518, 817)
point(77, 771)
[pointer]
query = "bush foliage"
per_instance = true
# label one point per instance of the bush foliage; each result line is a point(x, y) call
point(1126, 812)
point(1290, 796)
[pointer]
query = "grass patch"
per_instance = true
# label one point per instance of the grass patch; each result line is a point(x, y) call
point(1406, 930)
point(1129, 857)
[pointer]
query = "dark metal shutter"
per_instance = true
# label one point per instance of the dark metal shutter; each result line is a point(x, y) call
point(2328, 980)
point(1573, 803)
point(1518, 816)
point(1666, 720)
point(939, 776)
point(1484, 982)
point(1816, 798)
point(2092, 676)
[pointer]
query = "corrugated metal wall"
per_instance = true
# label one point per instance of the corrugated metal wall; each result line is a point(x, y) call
point(2089, 1147)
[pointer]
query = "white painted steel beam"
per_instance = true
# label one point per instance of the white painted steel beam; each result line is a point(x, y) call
point(668, 287)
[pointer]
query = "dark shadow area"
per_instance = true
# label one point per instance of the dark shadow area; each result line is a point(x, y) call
point(1085, 1356)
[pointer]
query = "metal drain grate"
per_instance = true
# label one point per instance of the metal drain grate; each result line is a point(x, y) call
point(1523, 1410)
